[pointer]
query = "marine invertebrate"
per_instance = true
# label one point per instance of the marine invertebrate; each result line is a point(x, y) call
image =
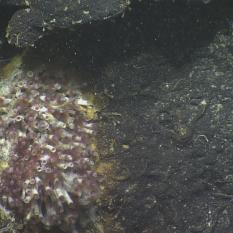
point(46, 142)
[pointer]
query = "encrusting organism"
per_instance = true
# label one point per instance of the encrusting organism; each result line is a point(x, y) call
point(46, 142)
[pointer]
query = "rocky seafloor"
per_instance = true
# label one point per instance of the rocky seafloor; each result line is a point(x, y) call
point(163, 75)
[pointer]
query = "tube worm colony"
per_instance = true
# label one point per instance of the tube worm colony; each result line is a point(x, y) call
point(46, 144)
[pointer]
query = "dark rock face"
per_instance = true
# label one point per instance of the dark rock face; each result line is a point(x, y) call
point(36, 18)
point(177, 122)
point(33, 19)
point(12, 2)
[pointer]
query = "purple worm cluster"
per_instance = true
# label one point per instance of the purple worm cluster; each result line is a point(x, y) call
point(50, 172)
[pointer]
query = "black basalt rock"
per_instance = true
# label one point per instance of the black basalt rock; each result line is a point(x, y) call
point(33, 19)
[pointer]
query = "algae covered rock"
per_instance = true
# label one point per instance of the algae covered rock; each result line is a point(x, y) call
point(8, 223)
point(35, 18)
